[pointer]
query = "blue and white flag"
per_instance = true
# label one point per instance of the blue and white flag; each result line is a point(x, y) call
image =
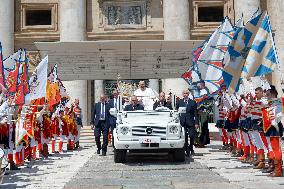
point(210, 61)
point(252, 52)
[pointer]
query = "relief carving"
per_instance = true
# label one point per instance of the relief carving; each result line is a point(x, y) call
point(34, 59)
point(124, 15)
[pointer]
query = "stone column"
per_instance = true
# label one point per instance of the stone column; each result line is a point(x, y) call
point(99, 89)
point(277, 21)
point(73, 28)
point(7, 27)
point(176, 27)
point(247, 8)
point(154, 84)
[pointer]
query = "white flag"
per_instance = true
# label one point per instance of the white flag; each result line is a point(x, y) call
point(38, 81)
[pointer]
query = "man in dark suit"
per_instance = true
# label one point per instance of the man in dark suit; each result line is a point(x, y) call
point(188, 120)
point(134, 105)
point(162, 102)
point(113, 103)
point(100, 123)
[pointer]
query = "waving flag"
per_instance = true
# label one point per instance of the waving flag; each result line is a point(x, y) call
point(38, 81)
point(210, 61)
point(262, 57)
point(11, 80)
point(53, 88)
point(252, 52)
point(1, 67)
point(22, 80)
point(11, 71)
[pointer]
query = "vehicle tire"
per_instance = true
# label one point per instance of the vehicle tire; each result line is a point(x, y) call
point(119, 156)
point(178, 155)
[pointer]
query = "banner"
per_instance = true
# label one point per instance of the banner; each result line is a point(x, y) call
point(1, 68)
point(38, 81)
point(251, 53)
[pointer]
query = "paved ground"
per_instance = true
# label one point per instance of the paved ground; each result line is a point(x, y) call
point(84, 169)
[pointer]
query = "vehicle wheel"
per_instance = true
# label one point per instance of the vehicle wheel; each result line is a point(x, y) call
point(119, 156)
point(178, 155)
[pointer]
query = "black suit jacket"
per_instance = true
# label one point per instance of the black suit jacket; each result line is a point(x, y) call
point(164, 103)
point(112, 119)
point(130, 107)
point(97, 113)
point(190, 118)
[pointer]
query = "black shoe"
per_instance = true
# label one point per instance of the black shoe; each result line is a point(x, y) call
point(192, 152)
point(103, 153)
point(98, 151)
point(186, 153)
point(13, 166)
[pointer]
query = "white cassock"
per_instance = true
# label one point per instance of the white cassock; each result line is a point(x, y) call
point(148, 96)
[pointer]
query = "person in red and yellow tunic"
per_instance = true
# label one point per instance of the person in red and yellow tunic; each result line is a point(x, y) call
point(69, 122)
point(272, 115)
point(55, 130)
point(78, 117)
point(46, 131)
point(63, 126)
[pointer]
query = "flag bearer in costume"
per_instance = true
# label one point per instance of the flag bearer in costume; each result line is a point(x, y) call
point(228, 103)
point(63, 125)
point(70, 125)
point(243, 129)
point(31, 123)
point(12, 127)
point(78, 117)
point(46, 130)
point(55, 130)
point(220, 116)
point(234, 115)
point(257, 127)
point(7, 131)
point(271, 122)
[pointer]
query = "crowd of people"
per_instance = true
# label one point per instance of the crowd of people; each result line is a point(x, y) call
point(250, 127)
point(26, 131)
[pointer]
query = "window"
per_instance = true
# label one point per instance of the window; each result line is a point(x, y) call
point(211, 14)
point(38, 17)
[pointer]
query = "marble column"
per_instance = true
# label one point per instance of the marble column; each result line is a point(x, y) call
point(247, 8)
point(176, 27)
point(73, 28)
point(7, 27)
point(99, 89)
point(277, 22)
point(154, 84)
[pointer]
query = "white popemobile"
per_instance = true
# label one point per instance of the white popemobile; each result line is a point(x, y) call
point(148, 131)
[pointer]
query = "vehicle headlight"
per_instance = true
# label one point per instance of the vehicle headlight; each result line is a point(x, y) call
point(124, 130)
point(173, 129)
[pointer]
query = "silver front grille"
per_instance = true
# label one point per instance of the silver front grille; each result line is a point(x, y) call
point(156, 131)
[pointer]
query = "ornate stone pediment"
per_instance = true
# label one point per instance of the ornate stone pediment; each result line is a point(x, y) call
point(124, 14)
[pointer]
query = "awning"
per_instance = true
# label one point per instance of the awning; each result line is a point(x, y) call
point(108, 60)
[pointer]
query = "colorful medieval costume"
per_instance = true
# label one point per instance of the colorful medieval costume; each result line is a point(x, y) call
point(78, 117)
point(46, 133)
point(219, 118)
point(63, 126)
point(257, 136)
point(272, 115)
point(55, 130)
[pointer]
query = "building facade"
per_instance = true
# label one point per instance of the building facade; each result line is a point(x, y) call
point(23, 22)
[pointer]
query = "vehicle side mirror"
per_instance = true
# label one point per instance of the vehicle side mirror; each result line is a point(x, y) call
point(113, 112)
point(182, 110)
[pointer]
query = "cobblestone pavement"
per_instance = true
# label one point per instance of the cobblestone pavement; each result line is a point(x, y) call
point(83, 169)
